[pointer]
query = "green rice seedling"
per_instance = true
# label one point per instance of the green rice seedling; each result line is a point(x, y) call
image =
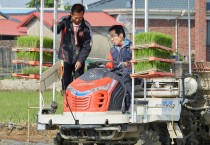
point(47, 42)
point(30, 55)
point(27, 55)
point(33, 70)
point(33, 42)
point(34, 56)
point(153, 37)
point(147, 38)
point(20, 55)
point(47, 57)
point(28, 42)
point(152, 52)
point(15, 105)
point(146, 66)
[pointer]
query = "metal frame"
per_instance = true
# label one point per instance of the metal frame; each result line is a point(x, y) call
point(41, 99)
point(139, 113)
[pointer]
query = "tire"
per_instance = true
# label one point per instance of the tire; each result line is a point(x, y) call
point(69, 143)
point(58, 140)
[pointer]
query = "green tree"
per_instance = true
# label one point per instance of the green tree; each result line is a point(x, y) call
point(47, 3)
point(67, 6)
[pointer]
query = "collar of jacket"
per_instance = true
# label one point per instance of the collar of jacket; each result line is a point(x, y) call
point(81, 26)
point(126, 44)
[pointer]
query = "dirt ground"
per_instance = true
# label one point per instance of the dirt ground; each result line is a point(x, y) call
point(20, 133)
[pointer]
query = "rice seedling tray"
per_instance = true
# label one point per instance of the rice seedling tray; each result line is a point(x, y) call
point(27, 76)
point(146, 66)
point(152, 59)
point(34, 42)
point(32, 49)
point(152, 45)
point(153, 37)
point(150, 70)
point(33, 56)
point(151, 52)
point(152, 74)
point(34, 63)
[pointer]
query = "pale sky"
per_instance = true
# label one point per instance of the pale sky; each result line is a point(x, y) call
point(21, 3)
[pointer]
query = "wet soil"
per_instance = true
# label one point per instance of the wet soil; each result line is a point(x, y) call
point(18, 135)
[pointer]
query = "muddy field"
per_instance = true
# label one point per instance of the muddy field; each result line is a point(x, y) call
point(18, 135)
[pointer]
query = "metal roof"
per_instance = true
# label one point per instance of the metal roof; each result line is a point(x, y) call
point(152, 4)
point(17, 10)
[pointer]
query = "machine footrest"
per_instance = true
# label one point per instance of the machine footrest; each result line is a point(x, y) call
point(174, 130)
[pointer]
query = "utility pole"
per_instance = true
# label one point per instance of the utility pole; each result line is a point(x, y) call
point(55, 17)
point(41, 50)
point(189, 39)
point(133, 43)
point(146, 21)
point(176, 27)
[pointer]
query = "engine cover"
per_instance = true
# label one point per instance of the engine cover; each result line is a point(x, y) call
point(98, 90)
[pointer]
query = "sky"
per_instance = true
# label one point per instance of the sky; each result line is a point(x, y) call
point(21, 3)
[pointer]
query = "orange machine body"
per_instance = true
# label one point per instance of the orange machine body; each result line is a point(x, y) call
point(98, 90)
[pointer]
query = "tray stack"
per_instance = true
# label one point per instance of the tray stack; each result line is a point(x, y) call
point(28, 54)
point(152, 55)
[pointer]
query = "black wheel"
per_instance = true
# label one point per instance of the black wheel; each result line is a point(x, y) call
point(115, 144)
point(104, 144)
point(72, 144)
point(66, 142)
point(58, 140)
point(180, 142)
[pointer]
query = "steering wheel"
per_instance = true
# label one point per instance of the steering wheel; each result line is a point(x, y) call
point(100, 64)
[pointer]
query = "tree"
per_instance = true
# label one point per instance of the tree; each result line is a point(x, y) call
point(67, 6)
point(47, 3)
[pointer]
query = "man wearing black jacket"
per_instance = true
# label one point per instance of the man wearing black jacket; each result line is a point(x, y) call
point(76, 43)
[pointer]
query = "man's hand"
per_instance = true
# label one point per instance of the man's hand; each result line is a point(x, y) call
point(121, 64)
point(78, 65)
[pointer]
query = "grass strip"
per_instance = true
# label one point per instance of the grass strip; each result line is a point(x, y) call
point(14, 105)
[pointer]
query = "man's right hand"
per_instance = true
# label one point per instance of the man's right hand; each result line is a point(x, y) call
point(121, 64)
point(78, 65)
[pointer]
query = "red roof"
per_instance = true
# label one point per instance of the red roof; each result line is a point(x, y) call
point(19, 17)
point(96, 19)
point(8, 27)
